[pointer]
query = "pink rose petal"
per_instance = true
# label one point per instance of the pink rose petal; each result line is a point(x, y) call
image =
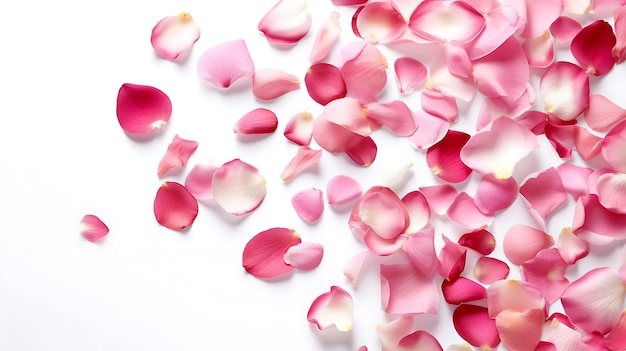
point(418, 209)
point(493, 195)
point(174, 35)
point(392, 332)
point(92, 228)
point(174, 207)
point(546, 271)
point(271, 83)
point(420, 248)
point(612, 191)
point(489, 270)
point(353, 268)
point(199, 180)
point(571, 247)
point(409, 73)
point(177, 155)
point(304, 256)
point(616, 338)
point(364, 71)
point(513, 295)
point(540, 50)
point(332, 308)
point(476, 327)
point(431, 129)
point(564, 89)
point(481, 241)
point(444, 158)
point(522, 243)
point(452, 259)
point(464, 212)
point(563, 29)
point(363, 153)
point(309, 204)
point(324, 83)
point(462, 290)
point(378, 22)
point(304, 158)
point(286, 23)
point(592, 48)
point(603, 114)
point(299, 128)
point(613, 146)
point(142, 108)
point(520, 330)
point(446, 22)
point(543, 193)
point(342, 190)
point(619, 50)
point(539, 15)
point(419, 340)
point(257, 121)
point(440, 197)
point(406, 291)
point(394, 115)
point(238, 187)
point(263, 254)
point(224, 64)
point(441, 105)
point(326, 37)
point(590, 217)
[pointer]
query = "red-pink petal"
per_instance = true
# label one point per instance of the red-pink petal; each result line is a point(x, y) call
point(238, 187)
point(451, 260)
point(332, 308)
point(409, 73)
point(324, 83)
point(612, 191)
point(406, 291)
point(92, 228)
point(493, 195)
point(142, 108)
point(378, 22)
point(420, 248)
point(446, 22)
point(257, 121)
point(543, 192)
point(363, 153)
point(481, 241)
point(571, 247)
point(174, 35)
point(603, 114)
point(394, 115)
point(476, 327)
point(271, 83)
point(419, 340)
point(520, 331)
point(304, 158)
point(309, 204)
point(177, 154)
point(333, 137)
point(224, 64)
point(364, 70)
point(616, 339)
point(263, 254)
point(286, 23)
point(304, 256)
point(326, 37)
point(199, 180)
point(489, 270)
point(444, 158)
point(174, 207)
point(431, 129)
point(464, 212)
point(513, 295)
point(592, 48)
point(546, 271)
point(564, 89)
point(299, 128)
point(619, 50)
point(462, 290)
point(522, 243)
point(563, 29)
point(591, 217)
point(613, 147)
point(342, 190)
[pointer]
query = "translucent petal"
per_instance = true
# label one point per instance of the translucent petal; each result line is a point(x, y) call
point(174, 35)
point(224, 64)
point(332, 308)
point(238, 187)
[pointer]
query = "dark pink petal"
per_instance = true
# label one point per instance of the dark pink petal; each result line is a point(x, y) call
point(571, 247)
point(603, 114)
point(464, 212)
point(454, 22)
point(326, 37)
point(324, 83)
point(520, 331)
point(142, 108)
point(561, 137)
point(595, 342)
point(271, 83)
point(174, 207)
point(522, 243)
point(420, 248)
point(474, 326)
point(595, 301)
point(299, 129)
point(238, 187)
point(504, 72)
point(587, 144)
point(404, 290)
point(481, 241)
point(431, 129)
point(540, 51)
point(392, 332)
point(263, 254)
point(363, 153)
point(394, 115)
point(575, 179)
point(92, 228)
point(177, 154)
point(613, 146)
point(462, 290)
point(619, 50)
point(199, 180)
point(419, 211)
point(332, 308)
point(451, 260)
point(546, 271)
point(286, 23)
point(304, 256)
point(493, 195)
point(309, 204)
point(224, 64)
point(564, 89)
point(304, 158)
point(257, 121)
point(444, 158)
point(174, 35)
point(364, 70)
point(440, 197)
point(409, 73)
point(564, 29)
point(592, 48)
point(543, 193)
point(378, 22)
point(489, 270)
point(419, 340)
point(612, 191)
point(590, 217)
point(616, 339)
point(342, 190)
point(513, 295)
point(438, 104)
point(539, 16)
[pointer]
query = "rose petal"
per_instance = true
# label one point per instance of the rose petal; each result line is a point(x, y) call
point(199, 180)
point(299, 129)
point(431, 129)
point(419, 340)
point(571, 247)
point(304, 256)
point(516, 108)
point(540, 50)
point(354, 267)
point(462, 290)
point(394, 115)
point(391, 333)
point(382, 212)
point(476, 327)
point(592, 48)
point(286, 23)
point(363, 153)
point(142, 108)
point(443, 81)
point(520, 330)
point(564, 89)
point(613, 146)
point(619, 50)
point(342, 190)
point(332, 308)
point(543, 192)
point(440, 105)
point(493, 195)
point(591, 217)
point(363, 70)
point(238, 187)
point(489, 270)
point(263, 254)
point(479, 240)
point(92, 228)
point(455, 22)
point(324, 83)
point(224, 64)
point(501, 21)
point(603, 114)
point(440, 197)
point(174, 207)
point(177, 154)
point(409, 73)
point(563, 29)
point(418, 209)
point(348, 113)
point(406, 291)
point(420, 248)
point(174, 35)
point(333, 137)
point(612, 192)
point(257, 121)
point(575, 179)
point(539, 16)
point(464, 212)
point(563, 336)
point(546, 271)
point(513, 295)
point(326, 37)
point(309, 204)
point(378, 22)
point(271, 83)
point(616, 339)
point(444, 158)
point(304, 158)
point(522, 243)
point(451, 260)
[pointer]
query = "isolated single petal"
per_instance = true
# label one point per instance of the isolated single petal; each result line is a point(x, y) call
point(406, 291)
point(481, 241)
point(431, 129)
point(419, 340)
point(224, 64)
point(364, 70)
point(444, 158)
point(396, 173)
point(612, 191)
point(177, 154)
point(564, 90)
point(353, 268)
point(299, 128)
point(304, 158)
point(142, 108)
point(324, 83)
point(394, 115)
point(409, 73)
point(613, 147)
point(332, 308)
point(92, 228)
point(546, 271)
point(378, 22)
point(174, 207)
point(309, 204)
point(238, 187)
point(257, 121)
point(174, 35)
point(543, 192)
point(475, 326)
point(603, 114)
point(462, 290)
point(592, 48)
point(520, 330)
point(442, 22)
point(304, 256)
point(342, 190)
point(263, 254)
point(326, 37)
point(451, 260)
point(488, 270)
point(286, 23)
point(522, 243)
point(464, 212)
point(571, 247)
point(271, 83)
point(200, 179)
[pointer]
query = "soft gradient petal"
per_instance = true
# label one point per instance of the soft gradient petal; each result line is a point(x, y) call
point(304, 158)
point(304, 256)
point(92, 228)
point(464, 212)
point(430, 130)
point(462, 290)
point(382, 212)
point(440, 197)
point(324, 83)
point(286, 23)
point(564, 90)
point(575, 179)
point(616, 339)
point(543, 192)
point(174, 35)
point(142, 108)
point(571, 247)
point(271, 83)
point(200, 179)
point(410, 74)
point(263, 254)
point(476, 327)
point(540, 50)
point(419, 340)
point(395, 115)
point(443, 81)
point(309, 204)
point(590, 217)
point(174, 207)
point(392, 332)
point(257, 121)
point(513, 295)
point(299, 128)
point(451, 260)
point(326, 37)
point(439, 104)
point(406, 291)
point(613, 147)
point(522, 243)
point(419, 211)
point(592, 48)
point(332, 308)
point(238, 187)
point(364, 70)
point(493, 195)
point(488, 270)
point(563, 29)
point(539, 16)
point(481, 241)
point(446, 22)
point(396, 173)
point(420, 249)
point(444, 158)
point(224, 64)
point(603, 114)
point(348, 113)
point(177, 154)
point(562, 334)
point(619, 50)
point(378, 22)
point(516, 108)
point(520, 331)
point(342, 190)
point(501, 22)
point(612, 191)
point(546, 271)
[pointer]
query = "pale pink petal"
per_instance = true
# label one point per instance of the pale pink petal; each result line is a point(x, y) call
point(419, 340)
point(495, 107)
point(382, 212)
point(451, 260)
point(353, 268)
point(174, 35)
point(462, 290)
point(304, 256)
point(493, 195)
point(464, 212)
point(363, 153)
point(333, 137)
point(431, 129)
point(299, 128)
point(613, 147)
point(616, 339)
point(595, 301)
point(394, 115)
point(504, 72)
point(546, 271)
point(224, 64)
point(603, 114)
point(309, 204)
point(410, 74)
point(440, 197)
point(364, 70)
point(381, 246)
point(476, 327)
point(542, 193)
point(539, 16)
point(619, 50)
point(324, 83)
point(238, 187)
point(342, 190)
point(564, 90)
point(271, 83)
point(501, 22)
point(362, 348)
point(459, 347)
point(443, 106)
point(621, 269)
point(571, 247)
point(562, 334)
point(446, 22)
point(489, 270)
point(286, 23)
point(587, 144)
point(348, 113)
point(406, 291)
point(498, 148)
point(444, 158)
point(591, 217)
point(458, 61)
point(520, 331)
point(391, 333)
point(419, 211)
point(174, 207)
point(522, 243)
point(443, 81)
point(420, 248)
point(592, 48)
point(575, 179)
point(92, 228)
point(263, 254)
point(513, 295)
point(326, 37)
point(540, 50)
point(257, 121)
point(177, 154)
point(142, 108)
point(332, 308)
point(199, 180)
point(564, 29)
point(612, 191)
point(481, 241)
point(577, 7)
point(378, 22)
point(304, 158)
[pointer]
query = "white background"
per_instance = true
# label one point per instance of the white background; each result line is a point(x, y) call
point(64, 155)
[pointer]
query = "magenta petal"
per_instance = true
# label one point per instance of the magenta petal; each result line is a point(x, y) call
point(410, 74)
point(309, 204)
point(464, 212)
point(616, 339)
point(226, 63)
point(142, 108)
point(543, 193)
point(299, 129)
point(592, 48)
point(263, 254)
point(419, 340)
point(92, 228)
point(444, 158)
point(257, 121)
point(271, 83)
point(304, 256)
point(522, 243)
point(238, 187)
point(546, 271)
point(603, 114)
point(342, 190)
point(454, 22)
point(364, 70)
point(324, 83)
point(462, 290)
point(363, 153)
point(451, 260)
point(326, 37)
point(481, 241)
point(177, 154)
point(378, 22)
point(286, 23)
point(406, 291)
point(304, 158)
point(332, 308)
point(174, 207)
point(174, 35)
point(476, 327)
point(591, 217)
point(199, 180)
point(493, 195)
point(564, 89)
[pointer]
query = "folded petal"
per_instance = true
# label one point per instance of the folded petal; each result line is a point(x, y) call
point(546, 271)
point(488, 270)
point(304, 256)
point(564, 90)
point(271, 83)
point(418, 209)
point(592, 48)
point(616, 339)
point(304, 158)
point(591, 217)
point(394, 115)
point(326, 37)
point(520, 330)
point(391, 333)
point(378, 22)
point(444, 158)
point(309, 204)
point(514, 295)
point(238, 187)
point(619, 50)
point(286, 23)
point(263, 254)
point(439, 104)
point(455, 22)
point(333, 137)
point(522, 243)
point(406, 291)
point(174, 207)
point(177, 154)
point(476, 327)
point(571, 247)
point(257, 121)
point(542, 193)
point(464, 212)
point(462, 290)
point(174, 35)
point(332, 308)
point(324, 83)
point(419, 340)
point(493, 195)
point(342, 190)
point(481, 241)
point(364, 152)
point(562, 334)
point(540, 50)
point(409, 73)
point(142, 108)
point(451, 260)
point(603, 114)
point(575, 179)
point(364, 70)
point(613, 146)
point(299, 128)
point(224, 64)
point(199, 180)
point(348, 2)
point(431, 129)
point(92, 228)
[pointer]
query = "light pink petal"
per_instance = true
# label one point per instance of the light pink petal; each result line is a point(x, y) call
point(571, 247)
point(459, 63)
point(498, 148)
point(462, 290)
point(419, 340)
point(451, 260)
point(333, 137)
point(564, 90)
point(493, 195)
point(446, 22)
point(238, 187)
point(591, 217)
point(520, 331)
point(142, 108)
point(353, 268)
point(621, 269)
point(577, 7)
point(495, 107)
point(619, 50)
point(489, 270)
point(199, 180)
point(539, 16)
point(304, 158)
point(348, 2)
point(177, 154)
point(575, 179)
point(540, 51)
point(382, 212)
point(174, 35)
point(535, 121)
point(342, 190)
point(440, 197)
point(443, 81)
point(543, 192)
point(431, 129)
point(419, 211)
point(391, 333)
point(612, 191)
point(326, 37)
point(299, 128)
point(363, 153)
point(382, 246)
point(224, 64)
point(481, 241)
point(440, 105)
point(595, 301)
point(444, 158)
point(504, 72)
point(587, 144)
point(406, 291)
point(332, 308)
point(174, 207)
point(348, 113)
point(603, 114)
point(513, 295)
point(501, 22)
point(286, 23)
point(522, 243)
point(616, 339)
point(304, 256)
point(476, 327)
point(309, 204)
point(364, 71)
point(592, 47)
point(257, 121)
point(464, 212)
point(324, 83)
point(263, 254)
point(92, 228)
point(613, 147)
point(546, 271)
point(420, 248)
point(394, 115)
point(410, 74)
point(562, 334)
point(378, 22)
point(271, 83)
point(564, 29)
point(396, 173)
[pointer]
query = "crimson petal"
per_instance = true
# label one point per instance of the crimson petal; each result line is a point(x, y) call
point(174, 206)
point(142, 108)
point(263, 254)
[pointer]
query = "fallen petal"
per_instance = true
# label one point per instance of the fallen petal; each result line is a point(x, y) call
point(522, 243)
point(406, 291)
point(391, 333)
point(309, 204)
point(396, 173)
point(462, 290)
point(174, 35)
point(591, 217)
point(199, 180)
point(564, 90)
point(174, 207)
point(92, 228)
point(271, 83)
point(571, 247)
point(613, 146)
point(575, 179)
point(592, 48)
point(304, 158)
point(324, 83)
point(238, 187)
point(224, 64)
point(616, 339)
point(394, 115)
point(619, 50)
point(612, 192)
point(263, 254)
point(543, 192)
point(451, 260)
point(475, 326)
point(142, 108)
point(257, 121)
point(444, 158)
point(299, 128)
point(177, 154)
point(493, 195)
point(431, 129)
point(539, 16)
point(410, 74)
point(440, 197)
point(540, 51)
point(353, 268)
point(286, 23)
point(546, 271)
point(332, 308)
point(514, 296)
point(419, 340)
point(464, 212)
point(455, 22)
point(364, 152)
point(488, 270)
point(378, 22)
point(342, 190)
point(439, 104)
point(520, 330)
point(564, 29)
point(364, 70)
point(481, 241)
point(418, 209)
point(326, 37)
point(304, 256)
point(603, 114)
point(420, 248)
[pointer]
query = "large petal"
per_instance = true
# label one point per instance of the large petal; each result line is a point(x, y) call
point(520, 331)
point(304, 256)
point(238, 187)
point(590, 217)
point(394, 115)
point(603, 114)
point(324, 83)
point(406, 291)
point(616, 339)
point(546, 271)
point(522, 243)
point(513, 295)
point(142, 108)
point(501, 22)
point(444, 158)
point(378, 22)
point(177, 154)
point(92, 228)
point(271, 83)
point(571, 247)
point(304, 158)
point(286, 23)
point(452, 259)
point(489, 270)
point(224, 64)
point(363, 70)
point(174, 207)
point(420, 248)
point(410, 74)
point(539, 16)
point(564, 89)
point(309, 204)
point(326, 37)
point(612, 191)
point(475, 326)
point(263, 254)
point(381, 211)
point(592, 48)
point(174, 35)
point(332, 308)
point(455, 22)
point(431, 129)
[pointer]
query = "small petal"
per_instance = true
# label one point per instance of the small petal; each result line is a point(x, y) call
point(332, 308)
point(571, 247)
point(431, 129)
point(462, 290)
point(493, 195)
point(304, 256)
point(299, 129)
point(481, 241)
point(520, 331)
point(309, 204)
point(324, 83)
point(613, 146)
point(226, 63)
point(92, 228)
point(444, 158)
point(305, 158)
point(419, 340)
point(327, 36)
point(286, 23)
point(603, 114)
point(522, 243)
point(378, 22)
point(270, 83)
point(476, 327)
point(612, 192)
point(455, 22)
point(174, 35)
point(451, 260)
point(363, 70)
point(199, 180)
point(177, 154)
point(238, 187)
point(513, 295)
point(406, 291)
point(174, 207)
point(546, 271)
point(342, 190)
point(464, 212)
point(592, 48)
point(543, 192)
point(409, 73)
point(142, 108)
point(257, 121)
point(564, 89)
point(263, 254)
point(489, 270)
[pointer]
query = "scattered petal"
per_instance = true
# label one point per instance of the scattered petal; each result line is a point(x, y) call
point(513, 295)
point(409, 73)
point(464, 212)
point(440, 197)
point(174, 207)
point(522, 243)
point(613, 147)
point(542, 193)
point(271, 83)
point(199, 180)
point(364, 152)
point(451, 260)
point(455, 22)
point(324, 83)
point(493, 195)
point(431, 129)
point(539, 15)
point(326, 37)
point(309, 204)
point(462, 290)
point(378, 22)
point(92, 228)
point(406, 291)
point(286, 23)
point(481, 241)
point(575, 179)
point(177, 154)
point(142, 108)
point(174, 35)
point(564, 89)
point(540, 50)
point(590, 217)
point(603, 114)
point(476, 327)
point(619, 50)
point(571, 247)
point(391, 333)
point(238, 187)
point(342, 190)
point(304, 256)
point(520, 330)
point(305, 158)
point(546, 271)
point(299, 129)
point(332, 308)
point(612, 192)
point(263, 254)
point(419, 340)
point(564, 29)
point(592, 48)
point(224, 64)
point(616, 338)
point(439, 104)
point(257, 121)
point(420, 248)
point(489, 270)
point(363, 70)
point(394, 115)
point(418, 209)
point(354, 267)
point(444, 158)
